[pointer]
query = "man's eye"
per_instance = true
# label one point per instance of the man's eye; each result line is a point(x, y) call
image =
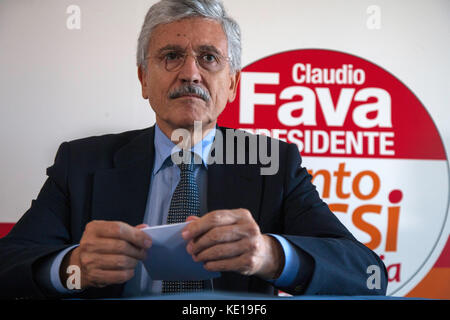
point(170, 56)
point(209, 58)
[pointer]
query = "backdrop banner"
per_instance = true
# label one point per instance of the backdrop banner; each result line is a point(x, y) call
point(370, 145)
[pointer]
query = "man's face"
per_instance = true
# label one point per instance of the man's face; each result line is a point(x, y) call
point(194, 37)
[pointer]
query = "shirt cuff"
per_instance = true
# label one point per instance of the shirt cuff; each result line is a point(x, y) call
point(54, 271)
point(48, 273)
point(291, 263)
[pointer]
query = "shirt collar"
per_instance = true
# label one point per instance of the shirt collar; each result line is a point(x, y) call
point(164, 147)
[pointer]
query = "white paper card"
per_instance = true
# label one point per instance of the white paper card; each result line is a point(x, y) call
point(167, 259)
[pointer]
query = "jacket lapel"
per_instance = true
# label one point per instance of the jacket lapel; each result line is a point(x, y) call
point(233, 186)
point(120, 194)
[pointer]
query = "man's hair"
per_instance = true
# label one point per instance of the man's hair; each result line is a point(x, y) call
point(167, 11)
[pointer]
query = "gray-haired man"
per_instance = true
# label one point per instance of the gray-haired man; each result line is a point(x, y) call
point(261, 232)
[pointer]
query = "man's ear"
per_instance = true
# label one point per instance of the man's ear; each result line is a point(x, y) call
point(143, 80)
point(235, 78)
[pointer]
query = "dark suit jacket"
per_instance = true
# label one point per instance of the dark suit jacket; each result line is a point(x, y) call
point(108, 177)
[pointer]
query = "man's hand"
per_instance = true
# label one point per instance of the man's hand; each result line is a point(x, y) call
point(230, 240)
point(108, 253)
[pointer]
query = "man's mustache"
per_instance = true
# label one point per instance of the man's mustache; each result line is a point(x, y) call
point(190, 89)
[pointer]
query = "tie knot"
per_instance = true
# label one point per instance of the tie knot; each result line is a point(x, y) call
point(188, 161)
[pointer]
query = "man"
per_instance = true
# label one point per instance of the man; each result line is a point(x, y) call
point(262, 232)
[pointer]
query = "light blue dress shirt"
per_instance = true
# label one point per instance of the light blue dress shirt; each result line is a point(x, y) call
point(165, 178)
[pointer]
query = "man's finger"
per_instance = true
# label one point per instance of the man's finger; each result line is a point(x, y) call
point(245, 264)
point(210, 220)
point(216, 236)
point(116, 262)
point(102, 278)
point(113, 246)
point(123, 231)
point(192, 218)
point(222, 251)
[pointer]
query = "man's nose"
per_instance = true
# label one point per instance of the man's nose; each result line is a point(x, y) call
point(190, 71)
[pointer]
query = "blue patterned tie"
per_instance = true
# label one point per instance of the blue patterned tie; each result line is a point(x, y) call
point(185, 202)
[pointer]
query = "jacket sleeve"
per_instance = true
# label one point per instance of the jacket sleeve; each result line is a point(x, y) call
point(339, 262)
point(42, 231)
